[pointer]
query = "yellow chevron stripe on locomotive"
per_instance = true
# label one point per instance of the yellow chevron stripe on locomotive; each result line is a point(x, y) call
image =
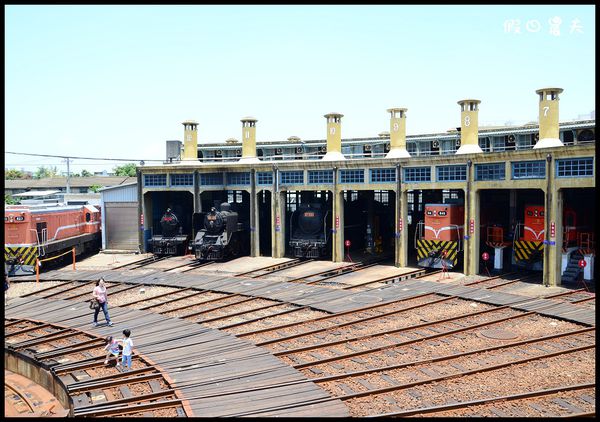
point(25, 255)
point(429, 253)
point(524, 249)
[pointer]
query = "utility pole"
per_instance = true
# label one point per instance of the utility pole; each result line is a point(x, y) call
point(68, 175)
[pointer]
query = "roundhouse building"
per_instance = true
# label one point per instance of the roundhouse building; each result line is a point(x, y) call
point(525, 194)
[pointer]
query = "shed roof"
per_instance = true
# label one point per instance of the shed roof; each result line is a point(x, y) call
point(75, 182)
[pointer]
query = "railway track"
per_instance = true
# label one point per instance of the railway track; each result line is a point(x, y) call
point(96, 389)
point(398, 357)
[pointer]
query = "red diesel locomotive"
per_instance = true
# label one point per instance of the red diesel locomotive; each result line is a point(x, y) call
point(44, 231)
point(438, 238)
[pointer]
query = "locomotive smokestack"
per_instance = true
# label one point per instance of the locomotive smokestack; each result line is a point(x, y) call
point(469, 127)
point(397, 133)
point(190, 136)
point(334, 137)
point(548, 118)
point(249, 140)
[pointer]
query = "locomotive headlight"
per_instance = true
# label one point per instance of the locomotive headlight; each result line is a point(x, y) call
point(19, 218)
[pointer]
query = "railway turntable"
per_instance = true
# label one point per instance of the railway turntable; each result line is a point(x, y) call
point(248, 345)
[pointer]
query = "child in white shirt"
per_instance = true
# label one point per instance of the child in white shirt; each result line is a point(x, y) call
point(127, 349)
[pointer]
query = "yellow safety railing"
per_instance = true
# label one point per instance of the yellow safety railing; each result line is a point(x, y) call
point(38, 262)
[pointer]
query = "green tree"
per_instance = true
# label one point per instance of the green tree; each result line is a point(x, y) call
point(125, 170)
point(43, 172)
point(9, 200)
point(95, 188)
point(85, 173)
point(13, 174)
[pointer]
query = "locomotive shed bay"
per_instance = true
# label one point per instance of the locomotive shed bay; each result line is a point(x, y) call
point(265, 337)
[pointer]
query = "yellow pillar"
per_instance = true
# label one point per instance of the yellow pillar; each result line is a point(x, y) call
point(548, 113)
point(472, 244)
point(469, 127)
point(249, 140)
point(254, 217)
point(401, 229)
point(553, 229)
point(334, 137)
point(397, 133)
point(338, 253)
point(190, 143)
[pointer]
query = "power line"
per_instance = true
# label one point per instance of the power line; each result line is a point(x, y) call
point(79, 158)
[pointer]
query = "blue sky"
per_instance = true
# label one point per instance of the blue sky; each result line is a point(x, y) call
point(117, 81)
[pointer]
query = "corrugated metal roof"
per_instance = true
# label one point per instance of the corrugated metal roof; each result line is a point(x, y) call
point(60, 182)
point(118, 186)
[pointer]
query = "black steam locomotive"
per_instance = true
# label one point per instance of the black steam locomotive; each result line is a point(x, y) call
point(172, 241)
point(310, 231)
point(222, 235)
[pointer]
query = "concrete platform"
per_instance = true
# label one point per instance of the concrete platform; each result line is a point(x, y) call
point(306, 269)
point(103, 261)
point(240, 265)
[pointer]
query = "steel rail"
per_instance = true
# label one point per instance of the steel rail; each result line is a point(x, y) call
point(79, 347)
point(133, 409)
point(503, 284)
point(10, 323)
point(382, 390)
point(487, 279)
point(92, 363)
point(563, 294)
point(260, 308)
point(415, 272)
point(286, 264)
point(107, 284)
point(58, 335)
point(195, 263)
point(450, 356)
point(584, 300)
point(195, 293)
point(81, 284)
point(358, 267)
point(357, 321)
point(100, 380)
point(529, 394)
point(134, 399)
point(227, 296)
point(216, 308)
point(72, 388)
point(26, 330)
point(296, 264)
point(155, 297)
point(114, 284)
point(46, 289)
point(337, 271)
point(406, 342)
point(133, 263)
point(280, 407)
point(352, 311)
point(203, 264)
point(383, 333)
point(162, 258)
point(301, 308)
